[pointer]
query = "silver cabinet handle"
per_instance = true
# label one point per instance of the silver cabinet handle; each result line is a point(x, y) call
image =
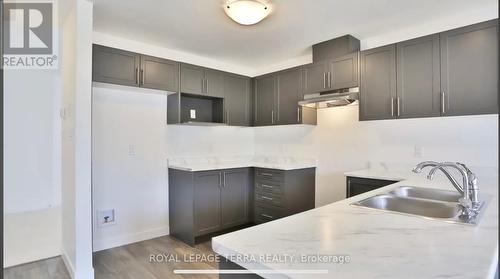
point(298, 114)
point(272, 116)
point(324, 80)
point(329, 79)
point(206, 86)
point(443, 108)
point(392, 106)
point(267, 216)
point(266, 198)
point(266, 186)
point(224, 183)
point(137, 76)
point(202, 85)
point(398, 106)
point(266, 174)
point(142, 76)
point(220, 179)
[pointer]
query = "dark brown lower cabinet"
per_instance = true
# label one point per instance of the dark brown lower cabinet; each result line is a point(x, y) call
point(357, 185)
point(206, 202)
point(281, 193)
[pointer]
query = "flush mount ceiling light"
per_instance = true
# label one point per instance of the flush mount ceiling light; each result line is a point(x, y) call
point(247, 12)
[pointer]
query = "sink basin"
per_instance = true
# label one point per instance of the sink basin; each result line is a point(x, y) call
point(426, 193)
point(421, 207)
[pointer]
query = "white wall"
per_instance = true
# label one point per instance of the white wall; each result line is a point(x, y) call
point(32, 190)
point(76, 66)
point(135, 183)
point(341, 143)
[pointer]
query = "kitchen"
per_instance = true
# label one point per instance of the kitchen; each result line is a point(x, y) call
point(265, 143)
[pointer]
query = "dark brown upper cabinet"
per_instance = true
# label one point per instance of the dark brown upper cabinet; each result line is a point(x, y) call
point(276, 99)
point(202, 81)
point(343, 71)
point(264, 104)
point(214, 83)
point(331, 74)
point(469, 69)
point(237, 100)
point(378, 83)
point(418, 81)
point(115, 66)
point(131, 69)
point(192, 79)
point(159, 73)
point(314, 77)
point(446, 74)
point(289, 93)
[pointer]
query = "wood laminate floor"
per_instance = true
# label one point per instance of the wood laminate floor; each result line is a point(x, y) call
point(129, 262)
point(52, 268)
point(133, 261)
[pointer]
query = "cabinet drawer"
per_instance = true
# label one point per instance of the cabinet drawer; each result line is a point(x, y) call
point(268, 199)
point(265, 214)
point(269, 175)
point(269, 187)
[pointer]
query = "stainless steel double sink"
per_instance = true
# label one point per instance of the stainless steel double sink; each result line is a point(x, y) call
point(424, 202)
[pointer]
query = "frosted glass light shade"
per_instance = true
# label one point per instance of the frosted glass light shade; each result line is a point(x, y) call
point(247, 12)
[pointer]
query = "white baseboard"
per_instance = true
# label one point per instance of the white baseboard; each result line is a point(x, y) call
point(120, 240)
point(69, 265)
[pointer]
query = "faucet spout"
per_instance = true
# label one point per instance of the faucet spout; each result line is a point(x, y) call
point(469, 202)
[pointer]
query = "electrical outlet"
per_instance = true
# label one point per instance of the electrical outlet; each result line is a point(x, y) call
point(131, 150)
point(106, 217)
point(418, 151)
point(192, 113)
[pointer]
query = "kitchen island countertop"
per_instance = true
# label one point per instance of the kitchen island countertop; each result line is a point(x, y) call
point(378, 244)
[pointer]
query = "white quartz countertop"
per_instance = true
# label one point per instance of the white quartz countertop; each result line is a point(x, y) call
point(217, 163)
point(378, 244)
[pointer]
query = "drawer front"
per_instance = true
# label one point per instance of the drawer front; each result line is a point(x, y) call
point(269, 175)
point(265, 214)
point(268, 199)
point(269, 187)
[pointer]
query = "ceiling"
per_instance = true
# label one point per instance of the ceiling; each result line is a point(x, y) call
point(201, 27)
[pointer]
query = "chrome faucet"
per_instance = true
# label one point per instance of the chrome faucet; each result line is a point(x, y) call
point(469, 190)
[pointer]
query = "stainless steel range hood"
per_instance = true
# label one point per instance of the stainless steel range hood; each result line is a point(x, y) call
point(336, 98)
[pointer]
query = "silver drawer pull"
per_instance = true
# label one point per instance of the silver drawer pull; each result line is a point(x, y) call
point(266, 186)
point(267, 198)
point(266, 174)
point(267, 216)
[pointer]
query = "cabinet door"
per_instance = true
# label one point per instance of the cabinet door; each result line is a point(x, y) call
point(237, 100)
point(378, 83)
point(469, 69)
point(356, 186)
point(234, 197)
point(207, 190)
point(192, 79)
point(115, 66)
point(214, 83)
point(343, 72)
point(264, 101)
point(314, 77)
point(289, 91)
point(418, 77)
point(159, 73)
